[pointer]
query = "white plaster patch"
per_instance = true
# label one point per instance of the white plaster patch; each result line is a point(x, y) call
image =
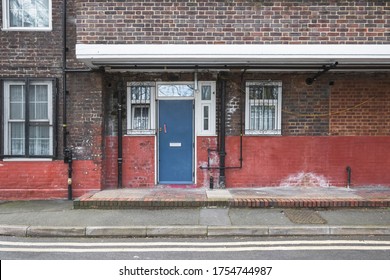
point(304, 179)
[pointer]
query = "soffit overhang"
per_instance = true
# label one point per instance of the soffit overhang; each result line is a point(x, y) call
point(130, 57)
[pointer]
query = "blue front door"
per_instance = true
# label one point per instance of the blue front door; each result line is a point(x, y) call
point(175, 141)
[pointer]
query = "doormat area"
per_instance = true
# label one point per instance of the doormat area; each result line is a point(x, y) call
point(303, 216)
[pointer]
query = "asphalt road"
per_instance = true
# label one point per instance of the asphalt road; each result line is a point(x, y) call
point(291, 248)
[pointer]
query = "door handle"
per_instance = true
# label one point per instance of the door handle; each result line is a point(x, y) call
point(165, 128)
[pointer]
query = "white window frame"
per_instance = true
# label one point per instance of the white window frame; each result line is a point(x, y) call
point(7, 25)
point(278, 110)
point(152, 111)
point(200, 104)
point(6, 117)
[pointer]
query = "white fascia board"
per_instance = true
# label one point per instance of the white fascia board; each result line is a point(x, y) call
point(98, 54)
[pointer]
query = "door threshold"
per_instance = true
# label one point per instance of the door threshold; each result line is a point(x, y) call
point(176, 186)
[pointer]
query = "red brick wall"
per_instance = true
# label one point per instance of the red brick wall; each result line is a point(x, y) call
point(309, 161)
point(203, 175)
point(138, 162)
point(46, 180)
point(233, 22)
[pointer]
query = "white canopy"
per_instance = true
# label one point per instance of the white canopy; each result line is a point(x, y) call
point(138, 56)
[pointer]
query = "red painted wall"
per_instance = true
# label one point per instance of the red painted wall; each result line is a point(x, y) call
point(203, 175)
point(309, 161)
point(47, 180)
point(138, 162)
point(268, 161)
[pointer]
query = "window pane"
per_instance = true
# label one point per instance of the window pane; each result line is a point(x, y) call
point(141, 117)
point(255, 92)
point(17, 138)
point(29, 13)
point(206, 92)
point(259, 92)
point(39, 142)
point(38, 96)
point(140, 94)
point(262, 118)
point(176, 90)
point(42, 13)
point(206, 118)
point(16, 102)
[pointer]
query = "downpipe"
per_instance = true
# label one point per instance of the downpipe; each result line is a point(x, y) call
point(349, 176)
point(222, 141)
point(68, 155)
point(120, 133)
point(222, 134)
point(68, 158)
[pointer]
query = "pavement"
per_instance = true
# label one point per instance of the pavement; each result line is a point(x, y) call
point(180, 212)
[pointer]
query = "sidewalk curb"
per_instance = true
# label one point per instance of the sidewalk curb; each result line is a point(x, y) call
point(189, 231)
point(86, 202)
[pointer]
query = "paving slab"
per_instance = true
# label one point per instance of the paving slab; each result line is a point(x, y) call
point(254, 216)
point(218, 194)
point(214, 216)
point(357, 216)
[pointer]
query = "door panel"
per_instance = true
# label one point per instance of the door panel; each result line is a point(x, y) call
point(176, 141)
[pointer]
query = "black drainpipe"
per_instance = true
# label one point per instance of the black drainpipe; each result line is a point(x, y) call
point(120, 133)
point(67, 151)
point(349, 175)
point(222, 134)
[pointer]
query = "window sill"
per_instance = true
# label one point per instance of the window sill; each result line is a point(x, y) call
point(207, 135)
point(263, 133)
point(9, 29)
point(151, 132)
point(26, 159)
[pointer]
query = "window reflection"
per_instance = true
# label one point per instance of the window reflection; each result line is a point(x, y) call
point(175, 90)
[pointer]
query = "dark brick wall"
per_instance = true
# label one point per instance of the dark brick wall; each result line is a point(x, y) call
point(85, 115)
point(233, 22)
point(32, 54)
point(360, 105)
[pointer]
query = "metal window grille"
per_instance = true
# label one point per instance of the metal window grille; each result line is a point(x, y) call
point(140, 100)
point(264, 105)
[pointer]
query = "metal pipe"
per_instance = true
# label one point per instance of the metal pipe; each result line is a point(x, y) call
point(64, 89)
point(242, 100)
point(310, 81)
point(120, 133)
point(222, 134)
point(349, 174)
point(68, 157)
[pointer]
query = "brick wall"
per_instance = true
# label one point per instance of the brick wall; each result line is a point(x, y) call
point(138, 168)
point(309, 161)
point(233, 22)
point(360, 105)
point(305, 109)
point(85, 115)
point(32, 54)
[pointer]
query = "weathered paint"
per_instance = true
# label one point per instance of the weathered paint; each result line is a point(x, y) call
point(314, 161)
point(47, 180)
